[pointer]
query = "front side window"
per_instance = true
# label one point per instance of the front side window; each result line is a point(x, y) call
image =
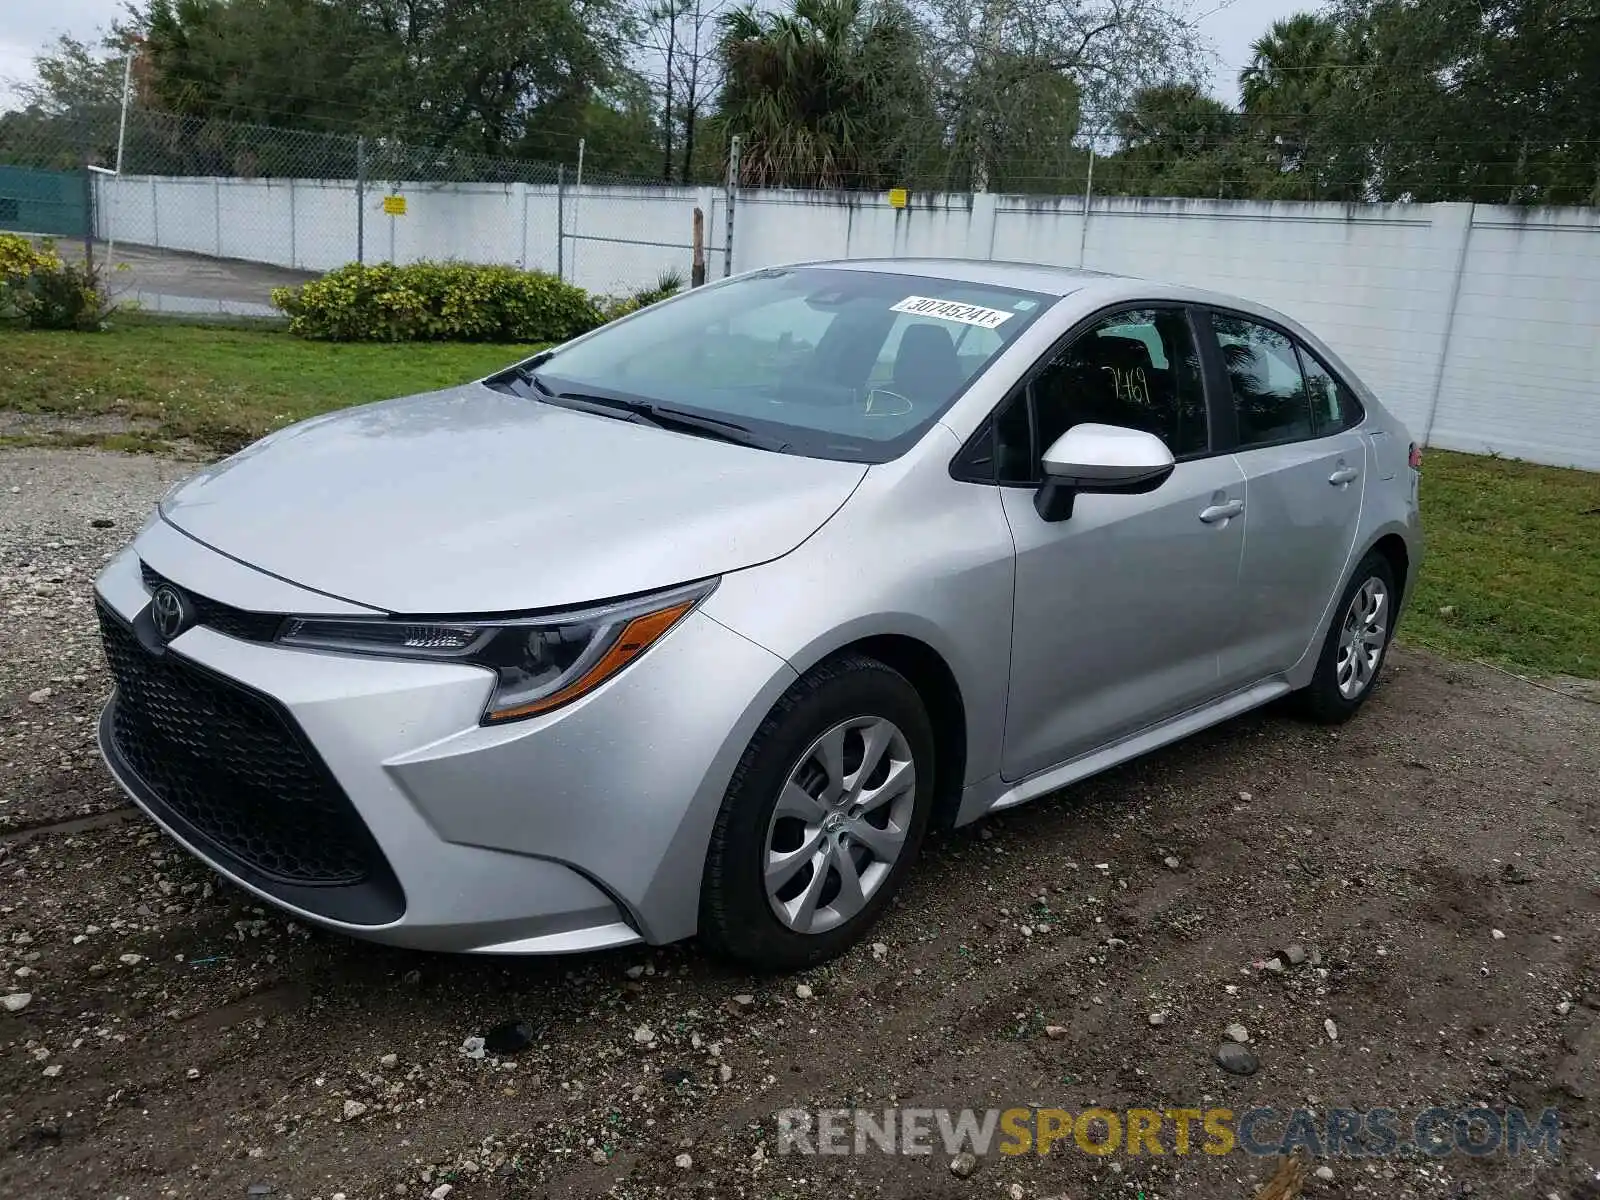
point(1137, 369)
point(828, 362)
point(1270, 398)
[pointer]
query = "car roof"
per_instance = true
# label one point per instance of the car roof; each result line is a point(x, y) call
point(1030, 277)
point(1099, 287)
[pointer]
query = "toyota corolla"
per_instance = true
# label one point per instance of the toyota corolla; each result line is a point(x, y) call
point(697, 623)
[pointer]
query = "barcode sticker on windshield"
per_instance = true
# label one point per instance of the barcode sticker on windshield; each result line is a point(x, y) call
point(949, 310)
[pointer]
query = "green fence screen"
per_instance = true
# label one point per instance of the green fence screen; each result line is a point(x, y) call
point(36, 201)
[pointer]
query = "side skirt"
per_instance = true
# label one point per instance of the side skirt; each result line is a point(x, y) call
point(994, 794)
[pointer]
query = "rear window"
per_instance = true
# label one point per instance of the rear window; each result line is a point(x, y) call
point(836, 363)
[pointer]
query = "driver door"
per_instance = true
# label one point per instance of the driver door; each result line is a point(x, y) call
point(1122, 610)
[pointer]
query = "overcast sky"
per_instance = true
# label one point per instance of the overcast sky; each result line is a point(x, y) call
point(26, 26)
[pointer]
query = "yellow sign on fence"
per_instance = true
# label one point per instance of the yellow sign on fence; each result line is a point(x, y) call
point(898, 197)
point(395, 206)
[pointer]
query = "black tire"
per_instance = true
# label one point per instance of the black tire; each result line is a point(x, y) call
point(1321, 700)
point(736, 918)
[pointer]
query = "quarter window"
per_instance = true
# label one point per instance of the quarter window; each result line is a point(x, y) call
point(1323, 393)
point(1334, 406)
point(1269, 394)
point(1138, 369)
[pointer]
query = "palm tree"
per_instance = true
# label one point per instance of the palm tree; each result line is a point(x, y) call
point(1286, 63)
point(816, 92)
point(1296, 95)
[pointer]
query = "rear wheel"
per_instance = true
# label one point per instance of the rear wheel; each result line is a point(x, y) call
point(822, 820)
point(1357, 644)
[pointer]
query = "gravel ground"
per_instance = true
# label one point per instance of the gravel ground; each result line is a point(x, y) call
point(1436, 858)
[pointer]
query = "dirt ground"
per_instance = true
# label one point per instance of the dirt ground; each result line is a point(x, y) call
point(182, 1041)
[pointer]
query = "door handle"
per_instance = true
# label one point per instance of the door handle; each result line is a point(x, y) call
point(1213, 513)
point(1343, 476)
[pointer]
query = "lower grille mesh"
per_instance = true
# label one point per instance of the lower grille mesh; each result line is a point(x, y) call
point(234, 767)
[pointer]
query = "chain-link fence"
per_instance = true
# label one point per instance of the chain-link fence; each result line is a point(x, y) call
point(312, 201)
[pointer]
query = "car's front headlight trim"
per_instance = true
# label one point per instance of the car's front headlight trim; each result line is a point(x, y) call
point(540, 662)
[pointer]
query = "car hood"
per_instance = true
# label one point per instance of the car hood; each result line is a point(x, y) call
point(474, 501)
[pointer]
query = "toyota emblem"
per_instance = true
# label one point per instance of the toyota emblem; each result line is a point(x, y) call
point(168, 612)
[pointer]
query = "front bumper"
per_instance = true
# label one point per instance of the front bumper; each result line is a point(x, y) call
point(580, 829)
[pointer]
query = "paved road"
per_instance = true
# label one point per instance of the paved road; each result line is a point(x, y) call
point(173, 281)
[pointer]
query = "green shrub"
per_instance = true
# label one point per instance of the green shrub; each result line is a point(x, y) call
point(18, 256)
point(40, 291)
point(431, 301)
point(668, 283)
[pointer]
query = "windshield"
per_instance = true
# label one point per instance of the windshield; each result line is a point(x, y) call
point(823, 362)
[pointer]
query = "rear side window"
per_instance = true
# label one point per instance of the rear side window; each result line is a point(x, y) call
point(1334, 407)
point(1323, 391)
point(1270, 397)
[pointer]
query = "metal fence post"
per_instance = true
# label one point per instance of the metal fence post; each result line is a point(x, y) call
point(733, 190)
point(577, 199)
point(361, 199)
point(1088, 197)
point(88, 219)
point(522, 235)
point(561, 219)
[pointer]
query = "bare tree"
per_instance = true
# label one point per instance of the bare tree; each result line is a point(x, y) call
point(1026, 76)
point(679, 56)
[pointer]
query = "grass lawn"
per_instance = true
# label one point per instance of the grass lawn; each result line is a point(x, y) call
point(1512, 574)
point(221, 387)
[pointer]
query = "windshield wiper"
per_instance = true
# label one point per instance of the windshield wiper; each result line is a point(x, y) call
point(660, 415)
point(731, 431)
point(526, 373)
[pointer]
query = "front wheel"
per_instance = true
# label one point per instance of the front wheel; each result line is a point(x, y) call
point(822, 819)
point(1357, 643)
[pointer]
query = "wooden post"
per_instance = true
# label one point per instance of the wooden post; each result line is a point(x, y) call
point(697, 272)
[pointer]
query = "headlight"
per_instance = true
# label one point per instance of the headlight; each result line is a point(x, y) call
point(542, 662)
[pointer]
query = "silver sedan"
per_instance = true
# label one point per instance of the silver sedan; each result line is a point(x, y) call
point(696, 624)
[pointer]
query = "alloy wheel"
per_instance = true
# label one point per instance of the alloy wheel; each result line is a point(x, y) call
point(1362, 638)
point(840, 824)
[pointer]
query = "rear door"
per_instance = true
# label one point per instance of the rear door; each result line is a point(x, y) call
point(1304, 469)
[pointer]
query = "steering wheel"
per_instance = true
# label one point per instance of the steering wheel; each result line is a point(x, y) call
point(881, 402)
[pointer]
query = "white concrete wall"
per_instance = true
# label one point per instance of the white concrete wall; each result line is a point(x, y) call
point(1474, 323)
point(1522, 375)
point(312, 224)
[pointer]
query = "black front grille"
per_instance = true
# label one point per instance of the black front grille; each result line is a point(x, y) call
point(233, 769)
point(213, 614)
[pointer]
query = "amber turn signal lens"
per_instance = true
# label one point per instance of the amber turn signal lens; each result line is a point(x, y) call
point(636, 637)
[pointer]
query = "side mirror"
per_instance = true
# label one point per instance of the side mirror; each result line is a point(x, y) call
point(1100, 458)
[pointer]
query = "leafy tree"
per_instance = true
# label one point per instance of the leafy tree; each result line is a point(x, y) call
point(1013, 122)
point(1448, 100)
point(1496, 101)
point(1177, 141)
point(470, 75)
point(72, 75)
point(271, 62)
